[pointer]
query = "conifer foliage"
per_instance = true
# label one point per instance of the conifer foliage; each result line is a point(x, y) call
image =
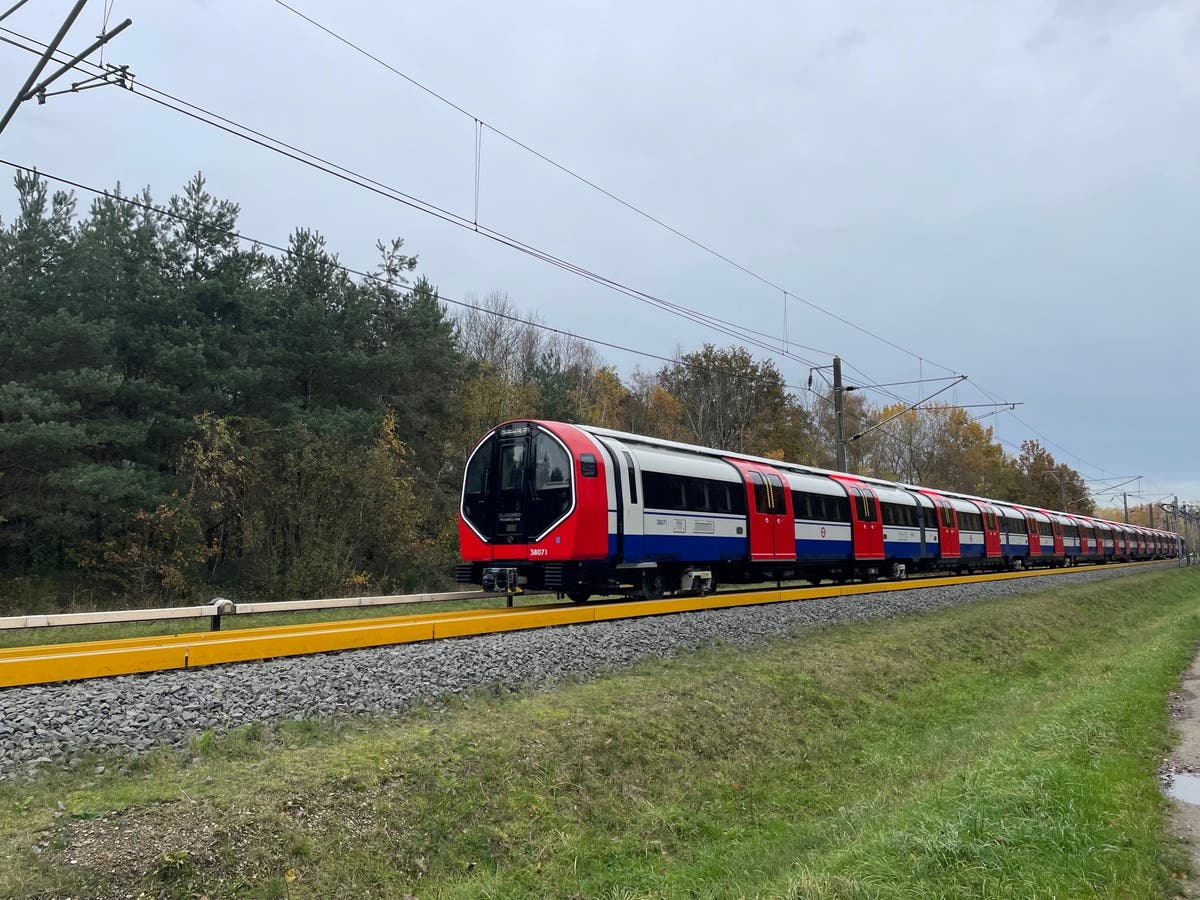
point(176, 408)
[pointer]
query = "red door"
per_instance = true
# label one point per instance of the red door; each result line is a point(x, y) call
point(1035, 536)
point(991, 531)
point(1058, 539)
point(866, 522)
point(947, 522)
point(769, 502)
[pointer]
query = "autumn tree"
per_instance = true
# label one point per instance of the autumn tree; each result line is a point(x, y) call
point(1047, 483)
point(725, 398)
point(942, 446)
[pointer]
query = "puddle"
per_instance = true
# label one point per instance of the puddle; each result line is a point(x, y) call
point(1185, 788)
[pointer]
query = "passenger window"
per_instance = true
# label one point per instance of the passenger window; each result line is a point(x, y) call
point(775, 494)
point(678, 500)
point(633, 488)
point(761, 501)
point(946, 514)
point(697, 495)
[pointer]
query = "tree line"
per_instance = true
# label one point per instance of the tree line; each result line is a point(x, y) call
point(183, 415)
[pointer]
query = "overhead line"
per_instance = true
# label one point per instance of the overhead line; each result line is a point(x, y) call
point(350, 270)
point(566, 170)
point(200, 114)
point(722, 326)
point(602, 190)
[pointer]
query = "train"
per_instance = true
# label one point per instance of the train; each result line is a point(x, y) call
point(583, 512)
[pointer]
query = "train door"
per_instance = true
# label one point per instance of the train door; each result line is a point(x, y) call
point(769, 503)
point(1035, 536)
point(1058, 536)
point(991, 532)
point(868, 529)
point(626, 506)
point(635, 503)
point(514, 490)
point(948, 528)
point(866, 522)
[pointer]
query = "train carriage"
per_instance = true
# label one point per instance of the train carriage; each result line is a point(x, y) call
point(972, 546)
point(1014, 536)
point(907, 540)
point(823, 525)
point(582, 510)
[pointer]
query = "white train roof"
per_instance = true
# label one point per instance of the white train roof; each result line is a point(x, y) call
point(1005, 506)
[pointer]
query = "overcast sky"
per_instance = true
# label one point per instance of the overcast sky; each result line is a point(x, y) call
point(1008, 190)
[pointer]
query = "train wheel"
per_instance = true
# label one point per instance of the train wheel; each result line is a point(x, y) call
point(652, 585)
point(814, 580)
point(579, 596)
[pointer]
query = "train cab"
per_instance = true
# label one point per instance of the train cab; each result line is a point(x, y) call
point(533, 492)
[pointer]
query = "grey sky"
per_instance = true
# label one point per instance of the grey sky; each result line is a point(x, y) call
point(1011, 190)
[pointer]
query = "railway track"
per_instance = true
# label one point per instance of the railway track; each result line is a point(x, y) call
point(98, 659)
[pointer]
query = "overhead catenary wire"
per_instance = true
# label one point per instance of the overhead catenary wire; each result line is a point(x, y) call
point(12, 9)
point(738, 332)
point(602, 190)
point(198, 113)
point(406, 289)
point(194, 111)
point(648, 216)
point(370, 276)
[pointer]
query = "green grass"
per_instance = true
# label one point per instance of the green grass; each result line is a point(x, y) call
point(1003, 749)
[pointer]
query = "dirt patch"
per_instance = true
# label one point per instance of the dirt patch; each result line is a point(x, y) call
point(159, 844)
point(1185, 817)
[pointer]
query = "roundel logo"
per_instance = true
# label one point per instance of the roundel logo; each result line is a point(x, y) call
point(822, 531)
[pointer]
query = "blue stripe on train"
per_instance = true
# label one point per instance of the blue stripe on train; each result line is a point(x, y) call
point(818, 550)
point(905, 549)
point(712, 548)
point(667, 547)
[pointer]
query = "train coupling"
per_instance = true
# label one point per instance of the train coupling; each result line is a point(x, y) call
point(502, 581)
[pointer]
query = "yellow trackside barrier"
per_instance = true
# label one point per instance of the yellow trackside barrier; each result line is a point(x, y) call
point(250, 645)
point(518, 620)
point(97, 659)
point(72, 665)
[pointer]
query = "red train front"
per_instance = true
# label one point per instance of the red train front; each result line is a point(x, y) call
point(534, 493)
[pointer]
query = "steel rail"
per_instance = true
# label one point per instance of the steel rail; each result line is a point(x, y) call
point(126, 656)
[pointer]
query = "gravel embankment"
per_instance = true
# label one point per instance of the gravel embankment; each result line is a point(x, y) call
point(58, 725)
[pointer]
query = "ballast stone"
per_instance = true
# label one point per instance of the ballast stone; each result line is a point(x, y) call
point(132, 714)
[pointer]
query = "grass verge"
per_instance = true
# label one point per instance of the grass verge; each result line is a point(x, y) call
point(1006, 749)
